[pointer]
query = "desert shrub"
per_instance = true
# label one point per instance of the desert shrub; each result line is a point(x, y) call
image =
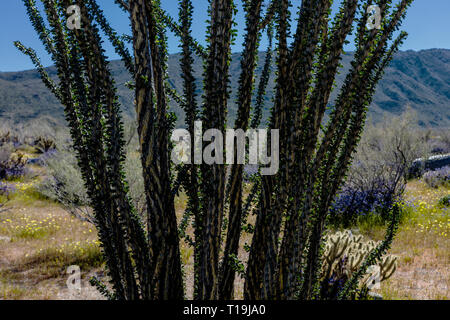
point(133, 167)
point(37, 135)
point(352, 204)
point(6, 137)
point(377, 178)
point(6, 189)
point(64, 184)
point(12, 164)
point(440, 141)
point(439, 147)
point(438, 177)
point(6, 151)
point(18, 134)
point(444, 201)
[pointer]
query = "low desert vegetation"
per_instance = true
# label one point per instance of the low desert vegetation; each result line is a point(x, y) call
point(104, 194)
point(379, 173)
point(46, 223)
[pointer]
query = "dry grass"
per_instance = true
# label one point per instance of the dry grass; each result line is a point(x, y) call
point(38, 243)
point(39, 240)
point(423, 247)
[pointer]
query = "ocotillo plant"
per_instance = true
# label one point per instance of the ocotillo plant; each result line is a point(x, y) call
point(143, 255)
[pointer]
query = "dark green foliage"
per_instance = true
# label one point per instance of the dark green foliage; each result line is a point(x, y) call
point(86, 90)
point(445, 201)
point(189, 175)
point(144, 263)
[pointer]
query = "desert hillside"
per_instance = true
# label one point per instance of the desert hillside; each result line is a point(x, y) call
point(417, 79)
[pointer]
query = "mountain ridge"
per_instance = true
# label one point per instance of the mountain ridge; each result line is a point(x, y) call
point(419, 79)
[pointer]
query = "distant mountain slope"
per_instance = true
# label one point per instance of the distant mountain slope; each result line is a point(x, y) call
point(418, 79)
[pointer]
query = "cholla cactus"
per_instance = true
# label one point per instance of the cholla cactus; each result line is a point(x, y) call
point(44, 145)
point(388, 267)
point(4, 137)
point(18, 159)
point(344, 254)
point(12, 165)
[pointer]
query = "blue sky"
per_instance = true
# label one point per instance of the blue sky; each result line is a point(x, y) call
point(428, 25)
